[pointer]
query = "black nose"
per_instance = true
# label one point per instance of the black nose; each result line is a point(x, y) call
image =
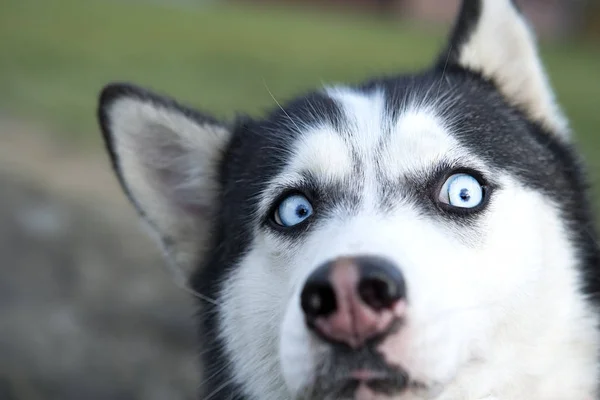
point(376, 281)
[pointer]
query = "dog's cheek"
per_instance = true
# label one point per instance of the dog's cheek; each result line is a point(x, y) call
point(511, 259)
point(430, 352)
point(295, 354)
point(250, 320)
point(288, 261)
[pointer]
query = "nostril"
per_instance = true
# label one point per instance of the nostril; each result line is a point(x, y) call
point(318, 300)
point(381, 284)
point(378, 293)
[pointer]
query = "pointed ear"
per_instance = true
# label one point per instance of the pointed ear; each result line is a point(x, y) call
point(492, 37)
point(166, 157)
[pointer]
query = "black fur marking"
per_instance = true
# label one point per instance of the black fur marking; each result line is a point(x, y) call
point(108, 95)
point(469, 16)
point(465, 25)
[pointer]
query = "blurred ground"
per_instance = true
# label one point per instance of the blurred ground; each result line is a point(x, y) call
point(88, 310)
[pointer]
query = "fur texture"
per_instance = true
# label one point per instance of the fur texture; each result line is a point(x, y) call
point(502, 298)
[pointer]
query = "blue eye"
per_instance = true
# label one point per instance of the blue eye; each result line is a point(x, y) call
point(293, 210)
point(461, 190)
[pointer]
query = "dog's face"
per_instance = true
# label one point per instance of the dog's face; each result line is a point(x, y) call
point(386, 243)
point(386, 240)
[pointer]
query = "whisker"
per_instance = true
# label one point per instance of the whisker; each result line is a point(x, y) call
point(280, 107)
point(202, 350)
point(213, 375)
point(444, 69)
point(218, 389)
point(200, 296)
point(181, 281)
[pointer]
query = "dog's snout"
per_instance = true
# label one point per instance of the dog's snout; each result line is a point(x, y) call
point(353, 299)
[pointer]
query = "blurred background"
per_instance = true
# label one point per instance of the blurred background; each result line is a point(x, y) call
point(87, 310)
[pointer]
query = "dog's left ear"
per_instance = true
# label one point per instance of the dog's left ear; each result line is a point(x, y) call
point(492, 37)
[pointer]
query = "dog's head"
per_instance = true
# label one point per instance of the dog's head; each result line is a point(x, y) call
point(385, 239)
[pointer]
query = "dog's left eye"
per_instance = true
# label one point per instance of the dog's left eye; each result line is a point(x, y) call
point(292, 210)
point(462, 191)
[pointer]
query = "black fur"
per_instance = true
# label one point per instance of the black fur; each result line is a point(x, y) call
point(466, 23)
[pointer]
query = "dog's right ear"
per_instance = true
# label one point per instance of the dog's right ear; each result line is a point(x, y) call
point(166, 158)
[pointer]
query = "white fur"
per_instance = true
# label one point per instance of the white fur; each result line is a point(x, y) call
point(322, 153)
point(149, 138)
point(497, 317)
point(319, 151)
point(419, 140)
point(503, 48)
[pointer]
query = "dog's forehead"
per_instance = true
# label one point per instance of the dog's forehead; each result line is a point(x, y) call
point(410, 137)
point(385, 131)
point(368, 137)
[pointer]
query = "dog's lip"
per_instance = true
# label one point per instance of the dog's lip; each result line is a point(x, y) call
point(354, 383)
point(363, 375)
point(377, 380)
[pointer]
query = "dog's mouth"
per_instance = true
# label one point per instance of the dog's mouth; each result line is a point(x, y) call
point(348, 373)
point(380, 382)
point(352, 385)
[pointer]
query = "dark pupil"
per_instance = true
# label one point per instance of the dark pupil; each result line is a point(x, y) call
point(464, 195)
point(301, 211)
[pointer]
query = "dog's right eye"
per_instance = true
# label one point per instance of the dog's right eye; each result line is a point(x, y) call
point(292, 210)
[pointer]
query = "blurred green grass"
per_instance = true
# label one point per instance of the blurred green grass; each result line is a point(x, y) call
point(56, 55)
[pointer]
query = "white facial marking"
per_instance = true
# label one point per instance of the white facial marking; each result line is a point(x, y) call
point(320, 152)
point(418, 140)
point(323, 153)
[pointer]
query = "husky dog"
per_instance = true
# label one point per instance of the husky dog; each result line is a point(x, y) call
point(423, 236)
